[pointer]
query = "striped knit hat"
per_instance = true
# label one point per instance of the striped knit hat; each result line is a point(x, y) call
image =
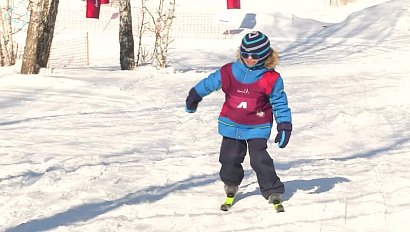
point(256, 42)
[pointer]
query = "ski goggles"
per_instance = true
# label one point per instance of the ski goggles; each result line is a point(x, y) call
point(247, 55)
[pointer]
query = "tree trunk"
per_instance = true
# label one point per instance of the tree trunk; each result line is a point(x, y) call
point(34, 31)
point(49, 20)
point(1, 56)
point(40, 34)
point(10, 44)
point(126, 38)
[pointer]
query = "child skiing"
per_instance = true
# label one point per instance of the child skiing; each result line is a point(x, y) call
point(254, 95)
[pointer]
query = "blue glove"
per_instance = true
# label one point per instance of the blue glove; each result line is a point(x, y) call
point(192, 101)
point(284, 131)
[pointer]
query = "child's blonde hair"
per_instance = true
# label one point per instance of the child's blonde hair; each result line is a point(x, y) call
point(271, 61)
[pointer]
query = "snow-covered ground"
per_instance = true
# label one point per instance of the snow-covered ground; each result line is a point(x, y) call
point(99, 149)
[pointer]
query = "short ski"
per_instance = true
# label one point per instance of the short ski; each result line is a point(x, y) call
point(228, 203)
point(277, 204)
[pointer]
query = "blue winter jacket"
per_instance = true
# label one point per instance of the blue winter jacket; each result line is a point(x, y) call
point(277, 99)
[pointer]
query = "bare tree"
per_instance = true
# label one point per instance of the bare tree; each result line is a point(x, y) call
point(162, 21)
point(40, 34)
point(125, 36)
point(8, 49)
point(141, 53)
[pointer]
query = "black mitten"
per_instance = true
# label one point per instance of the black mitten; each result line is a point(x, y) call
point(192, 101)
point(284, 131)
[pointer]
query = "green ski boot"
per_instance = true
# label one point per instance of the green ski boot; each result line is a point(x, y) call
point(276, 200)
point(230, 197)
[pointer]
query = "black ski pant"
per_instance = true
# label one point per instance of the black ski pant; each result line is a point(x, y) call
point(232, 155)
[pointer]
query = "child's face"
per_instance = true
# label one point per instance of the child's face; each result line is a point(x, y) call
point(250, 59)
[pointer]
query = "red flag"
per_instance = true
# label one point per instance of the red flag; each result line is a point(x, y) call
point(93, 9)
point(233, 4)
point(105, 1)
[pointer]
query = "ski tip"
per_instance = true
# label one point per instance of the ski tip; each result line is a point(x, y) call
point(279, 208)
point(225, 207)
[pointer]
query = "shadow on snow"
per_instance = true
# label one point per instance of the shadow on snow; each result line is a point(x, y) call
point(318, 185)
point(155, 193)
point(91, 210)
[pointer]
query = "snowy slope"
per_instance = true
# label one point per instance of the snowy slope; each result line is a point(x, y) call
point(99, 149)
